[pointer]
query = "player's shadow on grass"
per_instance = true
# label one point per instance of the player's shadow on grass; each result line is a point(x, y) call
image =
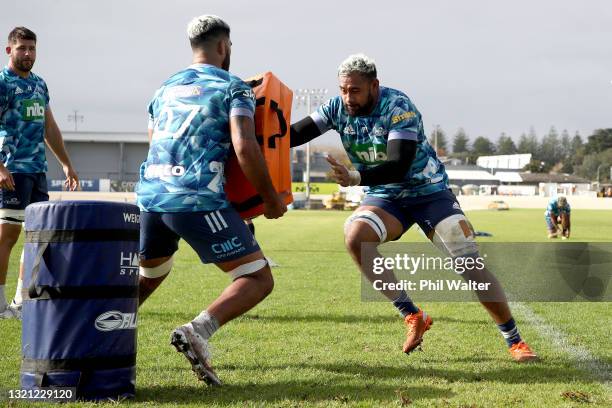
point(321, 318)
point(351, 318)
point(179, 317)
point(538, 373)
point(314, 391)
point(534, 373)
point(333, 383)
point(154, 316)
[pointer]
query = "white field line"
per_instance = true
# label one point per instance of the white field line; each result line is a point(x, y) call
point(585, 360)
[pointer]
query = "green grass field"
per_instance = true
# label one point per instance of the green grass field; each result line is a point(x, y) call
point(313, 342)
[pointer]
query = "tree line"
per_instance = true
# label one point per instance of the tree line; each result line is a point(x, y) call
point(553, 152)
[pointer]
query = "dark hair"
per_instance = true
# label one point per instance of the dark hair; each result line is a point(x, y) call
point(203, 29)
point(21, 33)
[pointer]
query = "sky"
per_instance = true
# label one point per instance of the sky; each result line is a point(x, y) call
point(487, 66)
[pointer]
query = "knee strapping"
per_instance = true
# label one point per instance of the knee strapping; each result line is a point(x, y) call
point(10, 216)
point(454, 236)
point(370, 218)
point(248, 268)
point(157, 271)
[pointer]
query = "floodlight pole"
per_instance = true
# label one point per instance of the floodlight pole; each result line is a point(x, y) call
point(436, 139)
point(75, 117)
point(599, 167)
point(311, 98)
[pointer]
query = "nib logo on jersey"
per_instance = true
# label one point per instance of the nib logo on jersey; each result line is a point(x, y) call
point(370, 153)
point(129, 264)
point(33, 109)
point(116, 320)
point(227, 248)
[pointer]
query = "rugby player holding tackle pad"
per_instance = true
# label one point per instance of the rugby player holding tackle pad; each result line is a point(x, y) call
point(195, 116)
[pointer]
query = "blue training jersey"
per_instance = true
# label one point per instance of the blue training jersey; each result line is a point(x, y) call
point(189, 116)
point(554, 209)
point(365, 140)
point(23, 103)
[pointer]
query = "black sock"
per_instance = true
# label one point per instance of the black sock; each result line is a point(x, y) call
point(510, 332)
point(405, 305)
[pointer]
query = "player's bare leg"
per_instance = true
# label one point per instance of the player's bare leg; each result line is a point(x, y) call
point(148, 285)
point(9, 234)
point(565, 226)
point(244, 292)
point(252, 282)
point(454, 236)
point(499, 310)
point(358, 233)
point(247, 289)
point(17, 302)
point(552, 224)
point(239, 297)
point(368, 228)
point(494, 300)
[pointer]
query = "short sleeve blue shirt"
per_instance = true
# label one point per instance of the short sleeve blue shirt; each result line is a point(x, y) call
point(189, 116)
point(554, 209)
point(23, 103)
point(365, 140)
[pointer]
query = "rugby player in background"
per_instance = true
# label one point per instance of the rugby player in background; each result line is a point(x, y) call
point(26, 124)
point(382, 133)
point(557, 217)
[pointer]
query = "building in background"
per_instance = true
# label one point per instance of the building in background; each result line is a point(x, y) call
point(503, 175)
point(553, 184)
point(319, 167)
point(467, 179)
point(105, 161)
point(110, 161)
point(504, 162)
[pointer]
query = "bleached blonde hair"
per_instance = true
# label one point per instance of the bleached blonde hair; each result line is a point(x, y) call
point(358, 63)
point(205, 27)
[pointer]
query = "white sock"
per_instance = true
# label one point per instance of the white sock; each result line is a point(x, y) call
point(18, 299)
point(205, 325)
point(2, 297)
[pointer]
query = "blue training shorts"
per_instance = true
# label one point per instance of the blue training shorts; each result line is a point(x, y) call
point(426, 211)
point(216, 236)
point(29, 188)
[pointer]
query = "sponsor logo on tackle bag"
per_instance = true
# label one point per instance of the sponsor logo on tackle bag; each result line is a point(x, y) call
point(115, 320)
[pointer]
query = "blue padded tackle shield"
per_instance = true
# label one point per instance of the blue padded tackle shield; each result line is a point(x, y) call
point(81, 297)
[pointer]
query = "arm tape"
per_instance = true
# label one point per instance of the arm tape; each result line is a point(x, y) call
point(303, 131)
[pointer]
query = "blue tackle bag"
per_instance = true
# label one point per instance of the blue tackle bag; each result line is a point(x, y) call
point(80, 298)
